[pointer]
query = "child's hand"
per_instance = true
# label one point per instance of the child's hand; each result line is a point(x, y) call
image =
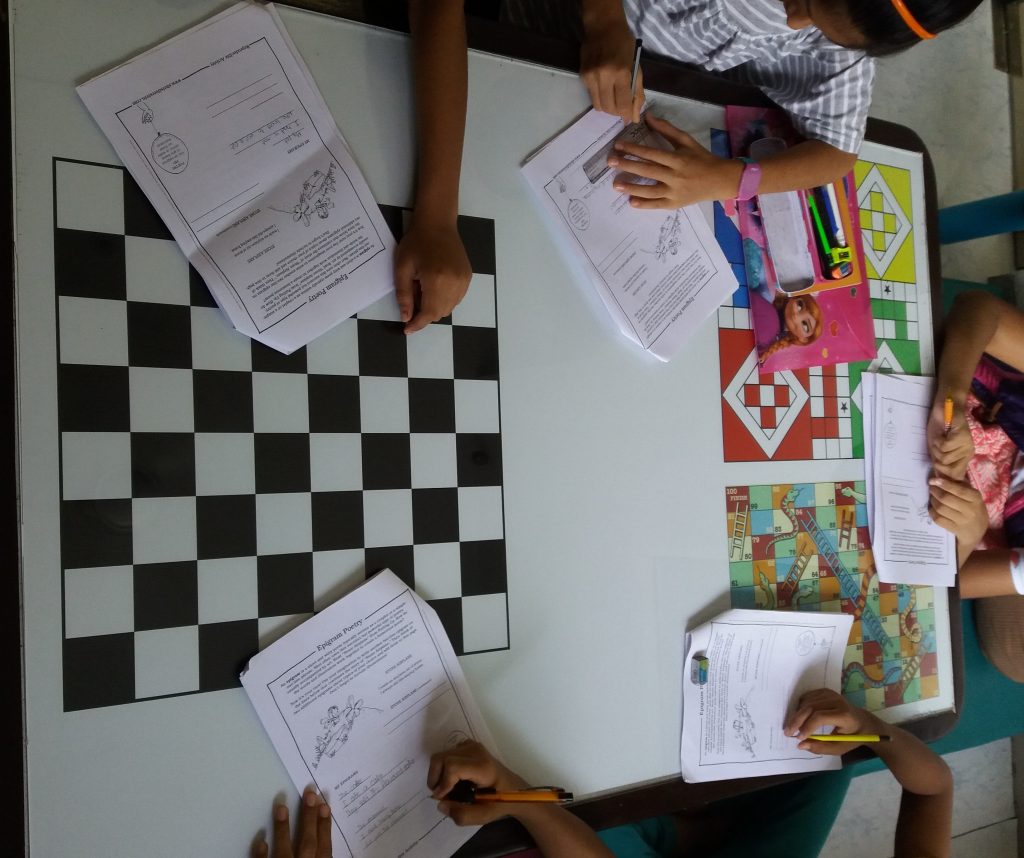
point(951, 454)
point(470, 761)
point(314, 831)
point(689, 174)
point(821, 709)
point(959, 508)
point(606, 67)
point(432, 271)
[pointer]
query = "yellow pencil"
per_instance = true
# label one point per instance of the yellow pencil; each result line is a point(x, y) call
point(851, 737)
point(948, 413)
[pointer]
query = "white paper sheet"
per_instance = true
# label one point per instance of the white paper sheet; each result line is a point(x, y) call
point(659, 273)
point(228, 137)
point(355, 701)
point(759, 664)
point(908, 547)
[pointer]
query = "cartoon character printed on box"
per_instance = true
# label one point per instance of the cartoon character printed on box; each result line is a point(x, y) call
point(781, 321)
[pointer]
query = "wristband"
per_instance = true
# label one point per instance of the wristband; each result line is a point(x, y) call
point(750, 181)
point(1017, 570)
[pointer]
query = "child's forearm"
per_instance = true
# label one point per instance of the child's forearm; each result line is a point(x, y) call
point(557, 832)
point(973, 321)
point(806, 165)
point(918, 769)
point(598, 14)
point(987, 573)
point(439, 59)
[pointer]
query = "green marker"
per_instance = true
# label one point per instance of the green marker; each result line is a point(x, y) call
point(813, 206)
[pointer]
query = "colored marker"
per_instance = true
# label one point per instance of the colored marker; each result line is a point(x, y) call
point(830, 192)
point(851, 737)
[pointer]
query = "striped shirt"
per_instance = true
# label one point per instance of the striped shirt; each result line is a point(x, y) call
point(825, 88)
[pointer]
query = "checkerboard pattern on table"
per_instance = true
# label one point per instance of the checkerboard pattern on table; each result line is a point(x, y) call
point(831, 415)
point(894, 308)
point(879, 221)
point(215, 493)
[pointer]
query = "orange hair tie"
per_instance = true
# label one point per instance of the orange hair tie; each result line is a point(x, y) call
point(911, 21)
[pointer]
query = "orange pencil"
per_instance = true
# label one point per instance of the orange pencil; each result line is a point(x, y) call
point(466, 792)
point(948, 413)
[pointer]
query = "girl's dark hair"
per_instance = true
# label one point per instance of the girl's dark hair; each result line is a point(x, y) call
point(887, 33)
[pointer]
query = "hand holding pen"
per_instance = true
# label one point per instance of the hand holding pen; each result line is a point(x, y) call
point(949, 437)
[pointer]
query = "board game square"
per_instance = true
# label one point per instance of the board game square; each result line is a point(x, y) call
point(337, 520)
point(224, 649)
point(284, 523)
point(93, 330)
point(198, 292)
point(382, 348)
point(280, 402)
point(477, 234)
point(449, 612)
point(397, 558)
point(215, 344)
point(335, 352)
point(98, 601)
point(438, 570)
point(89, 264)
point(336, 573)
point(476, 406)
point(431, 405)
point(89, 196)
point(751, 394)
point(155, 271)
point(335, 462)
point(95, 465)
point(479, 459)
point(435, 515)
point(94, 398)
point(383, 310)
point(166, 595)
point(223, 401)
point(163, 529)
point(225, 526)
point(767, 395)
point(386, 462)
point(266, 359)
point(484, 622)
point(430, 353)
point(96, 533)
point(166, 662)
point(272, 628)
point(285, 584)
point(384, 404)
point(483, 567)
point(475, 353)
point(99, 671)
point(393, 217)
point(481, 514)
point(387, 518)
point(161, 399)
point(477, 307)
point(225, 463)
point(433, 460)
point(163, 464)
point(333, 403)
point(227, 589)
point(282, 462)
point(140, 218)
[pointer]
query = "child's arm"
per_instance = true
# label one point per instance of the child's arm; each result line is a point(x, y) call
point(977, 323)
point(555, 831)
point(606, 60)
point(431, 263)
point(691, 174)
point(926, 809)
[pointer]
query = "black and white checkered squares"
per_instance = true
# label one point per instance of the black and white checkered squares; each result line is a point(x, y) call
point(215, 493)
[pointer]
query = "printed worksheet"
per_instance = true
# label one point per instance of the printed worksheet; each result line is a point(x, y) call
point(226, 133)
point(908, 546)
point(659, 273)
point(355, 701)
point(743, 674)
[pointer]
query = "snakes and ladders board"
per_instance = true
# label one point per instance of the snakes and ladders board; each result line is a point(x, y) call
point(805, 547)
point(215, 493)
point(815, 413)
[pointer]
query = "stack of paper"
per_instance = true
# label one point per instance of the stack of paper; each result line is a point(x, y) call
point(659, 273)
point(908, 547)
point(227, 135)
point(356, 700)
point(744, 673)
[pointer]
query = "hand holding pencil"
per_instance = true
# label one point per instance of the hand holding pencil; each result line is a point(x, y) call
point(839, 724)
point(470, 761)
point(949, 437)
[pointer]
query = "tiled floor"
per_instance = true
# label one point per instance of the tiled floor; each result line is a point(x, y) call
point(950, 77)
